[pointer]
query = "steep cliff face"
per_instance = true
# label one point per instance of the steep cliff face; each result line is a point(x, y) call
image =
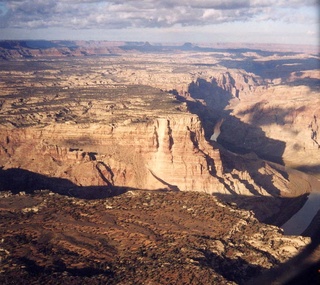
point(168, 152)
point(164, 152)
point(283, 123)
point(132, 147)
point(278, 122)
point(218, 87)
point(238, 83)
point(97, 128)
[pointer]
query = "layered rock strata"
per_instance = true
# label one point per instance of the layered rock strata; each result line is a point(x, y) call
point(100, 127)
point(166, 153)
point(162, 152)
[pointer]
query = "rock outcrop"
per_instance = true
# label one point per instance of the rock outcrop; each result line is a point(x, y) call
point(165, 153)
point(277, 119)
point(138, 155)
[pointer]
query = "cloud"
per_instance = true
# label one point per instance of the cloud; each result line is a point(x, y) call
point(116, 14)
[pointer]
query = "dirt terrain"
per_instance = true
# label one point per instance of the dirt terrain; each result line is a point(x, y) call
point(140, 237)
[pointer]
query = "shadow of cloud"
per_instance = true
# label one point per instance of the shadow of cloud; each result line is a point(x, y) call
point(235, 53)
point(281, 68)
point(313, 169)
point(312, 83)
point(260, 115)
point(272, 69)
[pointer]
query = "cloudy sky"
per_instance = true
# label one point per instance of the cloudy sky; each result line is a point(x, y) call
point(260, 21)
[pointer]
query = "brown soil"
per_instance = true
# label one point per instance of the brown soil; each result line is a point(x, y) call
point(141, 237)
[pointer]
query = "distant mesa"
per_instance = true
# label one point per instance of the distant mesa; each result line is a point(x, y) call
point(42, 48)
point(189, 46)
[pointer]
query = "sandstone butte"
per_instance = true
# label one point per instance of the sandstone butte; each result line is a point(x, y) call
point(98, 127)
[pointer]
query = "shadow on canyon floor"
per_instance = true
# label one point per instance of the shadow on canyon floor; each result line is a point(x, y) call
point(19, 180)
point(313, 169)
point(271, 208)
point(249, 164)
point(312, 83)
point(259, 115)
point(267, 209)
point(236, 135)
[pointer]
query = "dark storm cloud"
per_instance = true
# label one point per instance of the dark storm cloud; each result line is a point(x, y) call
point(81, 14)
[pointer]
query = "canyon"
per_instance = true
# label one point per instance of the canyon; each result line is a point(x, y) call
point(119, 122)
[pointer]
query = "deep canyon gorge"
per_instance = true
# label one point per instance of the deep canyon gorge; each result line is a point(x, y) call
point(118, 136)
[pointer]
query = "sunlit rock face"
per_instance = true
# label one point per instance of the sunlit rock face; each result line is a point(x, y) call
point(164, 153)
point(275, 117)
point(282, 124)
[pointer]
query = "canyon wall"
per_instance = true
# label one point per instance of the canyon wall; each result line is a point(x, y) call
point(166, 153)
point(287, 115)
point(278, 122)
point(146, 124)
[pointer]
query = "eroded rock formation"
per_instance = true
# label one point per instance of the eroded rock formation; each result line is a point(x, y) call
point(166, 153)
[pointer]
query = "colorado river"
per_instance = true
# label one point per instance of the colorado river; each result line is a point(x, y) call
point(301, 220)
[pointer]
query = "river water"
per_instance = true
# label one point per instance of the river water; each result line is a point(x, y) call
point(301, 220)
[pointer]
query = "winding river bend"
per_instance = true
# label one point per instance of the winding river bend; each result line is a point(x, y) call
point(299, 222)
